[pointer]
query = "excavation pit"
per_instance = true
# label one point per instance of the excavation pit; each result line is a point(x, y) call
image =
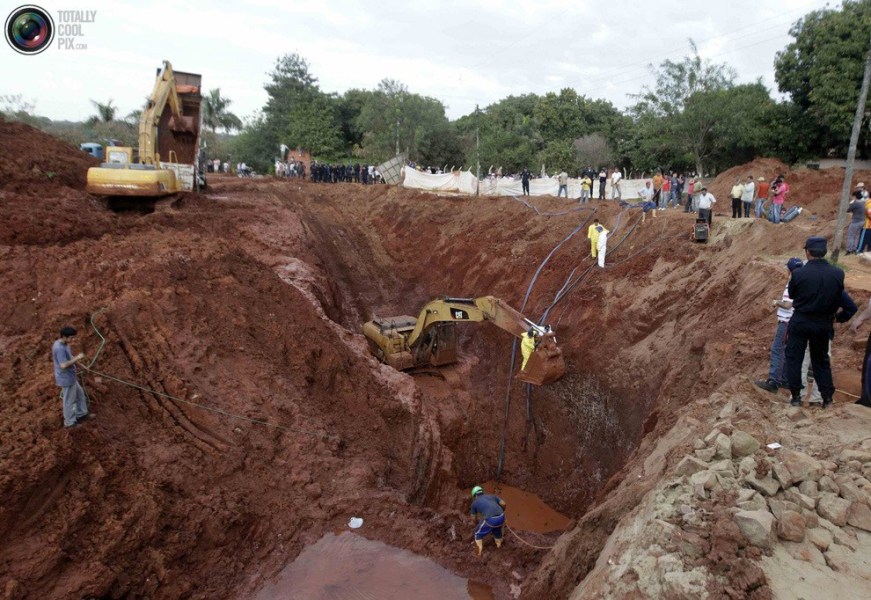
point(251, 303)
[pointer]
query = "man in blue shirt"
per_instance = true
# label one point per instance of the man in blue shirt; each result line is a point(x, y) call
point(74, 401)
point(488, 511)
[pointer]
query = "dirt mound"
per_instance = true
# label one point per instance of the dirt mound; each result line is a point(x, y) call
point(817, 191)
point(34, 161)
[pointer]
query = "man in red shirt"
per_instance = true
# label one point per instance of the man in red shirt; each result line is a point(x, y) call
point(762, 188)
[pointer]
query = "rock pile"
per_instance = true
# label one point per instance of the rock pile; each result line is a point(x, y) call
point(783, 493)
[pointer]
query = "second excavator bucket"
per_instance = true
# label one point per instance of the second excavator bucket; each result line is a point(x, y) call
point(546, 364)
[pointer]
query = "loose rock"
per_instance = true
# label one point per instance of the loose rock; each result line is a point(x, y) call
point(833, 508)
point(757, 526)
point(743, 444)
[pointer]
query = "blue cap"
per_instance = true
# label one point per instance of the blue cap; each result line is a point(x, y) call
point(794, 263)
point(815, 243)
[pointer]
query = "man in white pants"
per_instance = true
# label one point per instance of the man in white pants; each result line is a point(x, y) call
point(616, 176)
point(601, 244)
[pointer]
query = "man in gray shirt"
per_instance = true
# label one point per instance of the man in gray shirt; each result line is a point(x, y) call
point(75, 402)
point(857, 223)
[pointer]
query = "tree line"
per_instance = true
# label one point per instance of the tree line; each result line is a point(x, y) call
point(695, 118)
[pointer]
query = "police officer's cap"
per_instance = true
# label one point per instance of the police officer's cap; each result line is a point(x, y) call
point(793, 263)
point(815, 243)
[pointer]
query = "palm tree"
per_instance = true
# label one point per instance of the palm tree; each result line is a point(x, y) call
point(215, 113)
point(105, 112)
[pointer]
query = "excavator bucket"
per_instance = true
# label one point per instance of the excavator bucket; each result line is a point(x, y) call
point(546, 364)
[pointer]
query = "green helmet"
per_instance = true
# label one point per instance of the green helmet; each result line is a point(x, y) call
point(477, 490)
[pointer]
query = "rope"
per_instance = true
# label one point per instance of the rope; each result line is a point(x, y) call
point(213, 409)
point(527, 543)
point(849, 394)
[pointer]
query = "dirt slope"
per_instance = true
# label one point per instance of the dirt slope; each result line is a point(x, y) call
point(250, 299)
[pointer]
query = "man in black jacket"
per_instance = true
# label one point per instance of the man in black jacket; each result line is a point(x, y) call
point(818, 298)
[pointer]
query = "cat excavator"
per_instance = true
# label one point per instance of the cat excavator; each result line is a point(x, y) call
point(169, 135)
point(430, 340)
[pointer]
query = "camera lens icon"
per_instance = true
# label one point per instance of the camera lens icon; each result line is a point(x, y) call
point(29, 29)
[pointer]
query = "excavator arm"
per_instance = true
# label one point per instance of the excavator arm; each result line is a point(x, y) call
point(485, 308)
point(164, 94)
point(430, 340)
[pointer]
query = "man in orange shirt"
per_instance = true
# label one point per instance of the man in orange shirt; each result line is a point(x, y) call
point(762, 188)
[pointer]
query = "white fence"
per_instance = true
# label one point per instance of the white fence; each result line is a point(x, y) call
point(464, 182)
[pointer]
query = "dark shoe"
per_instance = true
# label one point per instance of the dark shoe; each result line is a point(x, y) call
point(86, 417)
point(860, 403)
point(827, 402)
point(768, 385)
point(795, 402)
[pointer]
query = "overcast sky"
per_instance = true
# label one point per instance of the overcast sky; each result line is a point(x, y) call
point(460, 52)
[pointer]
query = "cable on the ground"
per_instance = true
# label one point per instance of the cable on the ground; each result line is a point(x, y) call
point(527, 543)
point(213, 409)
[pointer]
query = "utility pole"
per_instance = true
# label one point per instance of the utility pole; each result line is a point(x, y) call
point(477, 152)
point(851, 156)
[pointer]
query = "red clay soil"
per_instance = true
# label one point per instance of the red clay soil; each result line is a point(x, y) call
point(250, 300)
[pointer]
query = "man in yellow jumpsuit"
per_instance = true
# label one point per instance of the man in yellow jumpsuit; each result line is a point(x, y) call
point(593, 234)
point(527, 347)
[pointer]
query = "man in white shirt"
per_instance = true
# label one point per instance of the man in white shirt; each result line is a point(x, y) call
point(706, 205)
point(647, 203)
point(616, 176)
point(563, 179)
point(748, 195)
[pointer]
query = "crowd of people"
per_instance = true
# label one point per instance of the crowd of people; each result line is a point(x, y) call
point(290, 168)
point(335, 173)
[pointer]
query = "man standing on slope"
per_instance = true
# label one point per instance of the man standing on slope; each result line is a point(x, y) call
point(75, 403)
point(706, 205)
point(817, 292)
point(616, 176)
point(598, 241)
point(776, 377)
point(488, 511)
point(563, 179)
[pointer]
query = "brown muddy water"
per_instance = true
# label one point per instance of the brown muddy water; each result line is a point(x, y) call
point(350, 567)
point(524, 511)
point(347, 566)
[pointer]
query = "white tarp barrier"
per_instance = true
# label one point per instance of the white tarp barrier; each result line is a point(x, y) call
point(463, 182)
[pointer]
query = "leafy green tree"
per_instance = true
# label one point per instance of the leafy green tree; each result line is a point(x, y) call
point(821, 71)
point(297, 112)
point(349, 106)
point(216, 112)
point(105, 112)
point(558, 155)
point(255, 145)
point(392, 116)
point(675, 110)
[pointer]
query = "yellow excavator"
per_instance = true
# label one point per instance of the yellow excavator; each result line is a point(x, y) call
point(169, 137)
point(405, 342)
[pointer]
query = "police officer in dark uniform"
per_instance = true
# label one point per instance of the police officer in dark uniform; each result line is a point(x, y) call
point(818, 297)
point(524, 180)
